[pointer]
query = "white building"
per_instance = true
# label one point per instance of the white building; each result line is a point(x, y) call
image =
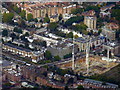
point(90, 21)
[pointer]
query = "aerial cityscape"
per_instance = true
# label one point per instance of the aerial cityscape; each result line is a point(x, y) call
point(60, 45)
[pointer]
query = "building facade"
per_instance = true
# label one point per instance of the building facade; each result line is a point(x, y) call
point(90, 21)
point(113, 47)
point(62, 49)
point(82, 42)
point(35, 56)
point(41, 9)
point(109, 30)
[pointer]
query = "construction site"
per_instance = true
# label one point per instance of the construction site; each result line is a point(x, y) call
point(90, 64)
point(96, 66)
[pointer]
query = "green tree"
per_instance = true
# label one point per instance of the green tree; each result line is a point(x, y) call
point(16, 9)
point(52, 26)
point(69, 35)
point(116, 14)
point(43, 43)
point(29, 17)
point(100, 30)
point(68, 56)
point(14, 36)
point(48, 55)
point(85, 32)
point(36, 20)
point(80, 27)
point(77, 27)
point(5, 32)
point(76, 19)
point(18, 30)
point(76, 36)
point(57, 58)
point(80, 87)
point(46, 20)
point(100, 22)
point(24, 39)
point(7, 17)
point(60, 17)
point(77, 11)
point(26, 34)
point(95, 8)
point(23, 14)
point(60, 33)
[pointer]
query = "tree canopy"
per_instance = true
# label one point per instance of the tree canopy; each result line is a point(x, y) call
point(36, 20)
point(27, 34)
point(46, 20)
point(18, 30)
point(60, 17)
point(60, 33)
point(48, 55)
point(77, 11)
point(80, 87)
point(76, 36)
point(79, 27)
point(14, 36)
point(99, 31)
point(57, 58)
point(76, 19)
point(69, 35)
point(5, 32)
point(24, 39)
point(29, 17)
point(43, 43)
point(7, 17)
point(52, 26)
point(116, 14)
point(95, 8)
point(16, 9)
point(68, 56)
point(23, 14)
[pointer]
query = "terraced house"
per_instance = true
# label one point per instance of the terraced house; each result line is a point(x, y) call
point(34, 55)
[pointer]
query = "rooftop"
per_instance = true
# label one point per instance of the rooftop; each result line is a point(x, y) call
point(112, 44)
point(99, 82)
point(112, 26)
point(107, 7)
point(20, 48)
point(89, 13)
point(86, 39)
point(61, 45)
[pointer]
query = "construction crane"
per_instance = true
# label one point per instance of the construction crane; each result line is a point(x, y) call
point(108, 55)
point(87, 55)
point(73, 56)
